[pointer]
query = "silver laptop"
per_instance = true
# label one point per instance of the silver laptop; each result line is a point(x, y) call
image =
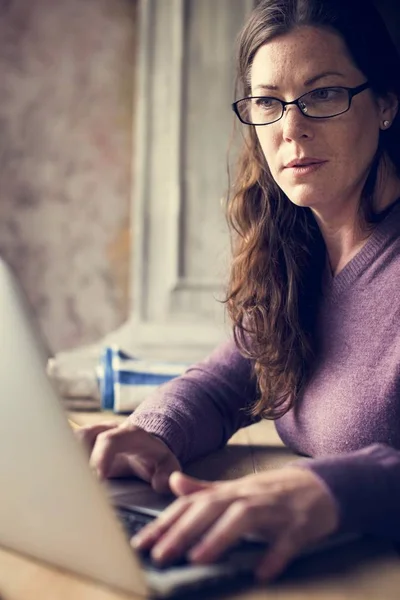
point(52, 506)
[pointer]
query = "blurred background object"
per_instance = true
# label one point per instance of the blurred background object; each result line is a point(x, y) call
point(66, 88)
point(115, 122)
point(95, 242)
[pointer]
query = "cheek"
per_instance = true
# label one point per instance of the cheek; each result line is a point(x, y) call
point(270, 145)
point(356, 133)
point(355, 145)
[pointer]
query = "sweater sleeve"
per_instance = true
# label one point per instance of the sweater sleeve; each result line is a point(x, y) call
point(366, 487)
point(199, 411)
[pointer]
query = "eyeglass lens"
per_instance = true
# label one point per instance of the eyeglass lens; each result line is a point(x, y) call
point(322, 102)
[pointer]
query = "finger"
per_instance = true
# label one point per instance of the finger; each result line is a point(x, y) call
point(112, 442)
point(228, 530)
point(129, 465)
point(154, 530)
point(182, 484)
point(161, 478)
point(190, 526)
point(277, 558)
point(87, 434)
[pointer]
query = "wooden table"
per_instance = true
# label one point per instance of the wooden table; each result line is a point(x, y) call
point(362, 570)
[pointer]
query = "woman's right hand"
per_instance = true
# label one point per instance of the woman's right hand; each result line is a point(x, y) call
point(125, 450)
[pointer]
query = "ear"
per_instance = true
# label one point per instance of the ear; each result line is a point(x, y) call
point(387, 108)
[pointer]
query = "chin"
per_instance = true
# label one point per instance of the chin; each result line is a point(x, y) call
point(304, 198)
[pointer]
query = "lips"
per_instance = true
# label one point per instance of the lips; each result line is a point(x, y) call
point(303, 162)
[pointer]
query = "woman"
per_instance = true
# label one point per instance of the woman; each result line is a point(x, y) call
point(314, 299)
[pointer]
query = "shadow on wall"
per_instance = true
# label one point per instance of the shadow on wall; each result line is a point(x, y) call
point(65, 160)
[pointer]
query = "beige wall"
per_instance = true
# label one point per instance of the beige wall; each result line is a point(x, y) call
point(65, 157)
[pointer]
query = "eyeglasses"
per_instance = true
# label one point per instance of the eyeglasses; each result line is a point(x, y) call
point(321, 103)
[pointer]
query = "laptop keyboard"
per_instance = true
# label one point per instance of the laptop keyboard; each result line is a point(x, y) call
point(133, 522)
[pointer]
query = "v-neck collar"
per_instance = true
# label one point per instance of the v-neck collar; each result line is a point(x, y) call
point(335, 285)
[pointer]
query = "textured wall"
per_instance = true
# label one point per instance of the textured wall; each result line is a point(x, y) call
point(65, 153)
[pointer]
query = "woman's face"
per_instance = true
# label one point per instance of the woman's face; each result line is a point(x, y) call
point(289, 66)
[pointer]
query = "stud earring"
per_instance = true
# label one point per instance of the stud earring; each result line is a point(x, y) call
point(386, 123)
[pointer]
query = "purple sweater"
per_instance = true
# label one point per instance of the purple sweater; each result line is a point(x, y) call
point(348, 420)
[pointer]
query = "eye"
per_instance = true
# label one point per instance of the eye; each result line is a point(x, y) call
point(265, 102)
point(325, 94)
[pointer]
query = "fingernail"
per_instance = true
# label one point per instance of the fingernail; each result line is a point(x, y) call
point(143, 539)
point(96, 472)
point(137, 541)
point(158, 554)
point(195, 553)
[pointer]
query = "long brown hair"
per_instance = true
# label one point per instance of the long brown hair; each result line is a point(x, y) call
point(278, 251)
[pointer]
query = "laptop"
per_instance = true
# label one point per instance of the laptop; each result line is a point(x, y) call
point(53, 507)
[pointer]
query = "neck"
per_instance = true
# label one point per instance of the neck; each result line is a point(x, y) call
point(342, 231)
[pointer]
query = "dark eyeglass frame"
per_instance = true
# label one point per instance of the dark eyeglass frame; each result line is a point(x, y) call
point(352, 91)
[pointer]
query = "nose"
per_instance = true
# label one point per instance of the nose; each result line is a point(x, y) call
point(295, 125)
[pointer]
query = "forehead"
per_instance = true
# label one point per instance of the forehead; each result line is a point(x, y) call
point(301, 54)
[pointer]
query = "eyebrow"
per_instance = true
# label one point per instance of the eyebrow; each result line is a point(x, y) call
point(311, 81)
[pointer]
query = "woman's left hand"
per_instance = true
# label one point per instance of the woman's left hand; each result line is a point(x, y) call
point(289, 508)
